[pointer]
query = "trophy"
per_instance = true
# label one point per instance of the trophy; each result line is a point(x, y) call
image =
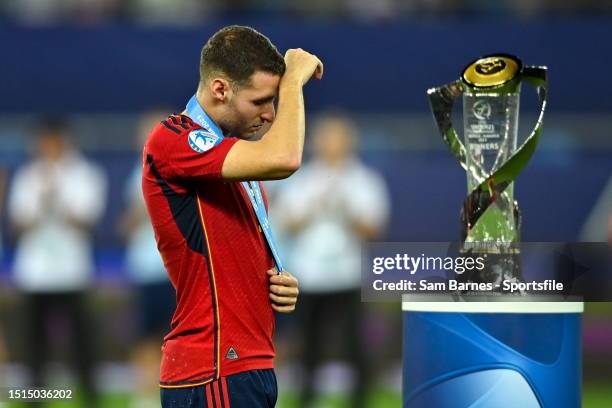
point(490, 217)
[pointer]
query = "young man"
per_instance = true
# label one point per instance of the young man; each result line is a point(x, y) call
point(211, 224)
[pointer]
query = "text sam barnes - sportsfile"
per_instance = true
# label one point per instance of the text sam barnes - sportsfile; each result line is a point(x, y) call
point(509, 285)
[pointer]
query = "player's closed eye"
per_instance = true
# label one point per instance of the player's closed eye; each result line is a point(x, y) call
point(261, 102)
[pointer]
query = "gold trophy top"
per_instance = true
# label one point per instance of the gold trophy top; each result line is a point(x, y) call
point(492, 71)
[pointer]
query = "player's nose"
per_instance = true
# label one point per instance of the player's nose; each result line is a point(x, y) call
point(269, 114)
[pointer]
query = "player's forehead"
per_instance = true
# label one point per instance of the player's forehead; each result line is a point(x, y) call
point(262, 84)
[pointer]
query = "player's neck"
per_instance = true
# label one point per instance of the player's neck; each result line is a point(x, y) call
point(213, 110)
point(209, 107)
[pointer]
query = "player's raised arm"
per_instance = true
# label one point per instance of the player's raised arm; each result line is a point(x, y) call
point(279, 152)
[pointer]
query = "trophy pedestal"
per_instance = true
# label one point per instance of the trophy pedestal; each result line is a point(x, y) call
point(492, 355)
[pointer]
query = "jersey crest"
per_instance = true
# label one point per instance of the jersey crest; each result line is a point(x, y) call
point(202, 141)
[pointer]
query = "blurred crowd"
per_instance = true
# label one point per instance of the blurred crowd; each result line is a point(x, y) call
point(55, 200)
point(189, 12)
point(57, 197)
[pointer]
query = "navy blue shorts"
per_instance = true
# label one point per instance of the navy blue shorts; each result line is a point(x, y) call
point(250, 389)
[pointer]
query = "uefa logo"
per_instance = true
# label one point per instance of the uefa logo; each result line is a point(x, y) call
point(481, 110)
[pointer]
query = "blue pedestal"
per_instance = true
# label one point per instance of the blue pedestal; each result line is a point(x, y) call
point(492, 360)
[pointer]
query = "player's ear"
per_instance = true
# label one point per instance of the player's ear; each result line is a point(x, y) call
point(220, 89)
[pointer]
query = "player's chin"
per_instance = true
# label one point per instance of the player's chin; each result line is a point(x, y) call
point(250, 136)
point(255, 132)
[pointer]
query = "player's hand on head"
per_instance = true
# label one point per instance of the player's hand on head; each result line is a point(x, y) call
point(283, 291)
point(302, 65)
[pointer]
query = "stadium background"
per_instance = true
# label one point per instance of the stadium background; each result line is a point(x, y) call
point(101, 63)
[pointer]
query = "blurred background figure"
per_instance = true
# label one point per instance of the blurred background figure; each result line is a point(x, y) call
point(328, 209)
point(3, 358)
point(52, 12)
point(3, 353)
point(154, 295)
point(54, 202)
point(164, 12)
point(2, 193)
point(598, 225)
point(610, 229)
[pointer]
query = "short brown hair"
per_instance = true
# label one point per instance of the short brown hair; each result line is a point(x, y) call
point(238, 52)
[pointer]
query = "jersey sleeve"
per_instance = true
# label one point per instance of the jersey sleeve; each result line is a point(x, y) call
point(178, 157)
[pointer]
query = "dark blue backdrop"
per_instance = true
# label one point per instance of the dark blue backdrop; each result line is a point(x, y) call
point(370, 67)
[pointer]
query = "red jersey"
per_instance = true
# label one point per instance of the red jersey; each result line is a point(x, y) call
point(215, 254)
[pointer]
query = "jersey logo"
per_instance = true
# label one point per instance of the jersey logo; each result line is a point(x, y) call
point(231, 354)
point(201, 140)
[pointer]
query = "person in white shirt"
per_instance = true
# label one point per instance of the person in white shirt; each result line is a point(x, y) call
point(2, 192)
point(329, 208)
point(54, 203)
point(598, 225)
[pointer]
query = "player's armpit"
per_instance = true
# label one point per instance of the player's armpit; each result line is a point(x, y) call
point(254, 160)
